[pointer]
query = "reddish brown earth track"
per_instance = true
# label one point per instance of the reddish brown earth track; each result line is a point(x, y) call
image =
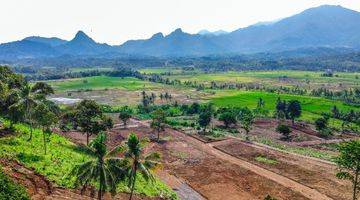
point(214, 172)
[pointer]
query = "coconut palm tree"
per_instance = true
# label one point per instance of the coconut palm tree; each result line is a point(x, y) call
point(105, 169)
point(30, 96)
point(138, 161)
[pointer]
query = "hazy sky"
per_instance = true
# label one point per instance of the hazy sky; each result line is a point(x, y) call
point(115, 21)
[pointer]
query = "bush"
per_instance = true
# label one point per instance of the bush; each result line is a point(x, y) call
point(325, 133)
point(11, 191)
point(285, 131)
point(268, 197)
point(321, 123)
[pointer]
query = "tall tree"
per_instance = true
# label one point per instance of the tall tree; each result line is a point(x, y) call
point(138, 161)
point(228, 118)
point(125, 114)
point(246, 118)
point(105, 168)
point(204, 119)
point(158, 121)
point(12, 111)
point(90, 118)
point(45, 118)
point(348, 162)
point(294, 110)
point(30, 96)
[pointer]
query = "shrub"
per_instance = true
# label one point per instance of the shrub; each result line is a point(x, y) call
point(325, 133)
point(285, 131)
point(9, 190)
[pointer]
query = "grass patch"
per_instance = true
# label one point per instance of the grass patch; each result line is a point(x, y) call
point(265, 160)
point(10, 190)
point(312, 107)
point(272, 77)
point(62, 156)
point(298, 150)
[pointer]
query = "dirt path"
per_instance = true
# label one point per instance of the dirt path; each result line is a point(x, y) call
point(295, 186)
point(183, 190)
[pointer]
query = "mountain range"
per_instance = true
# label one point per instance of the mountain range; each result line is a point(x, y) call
point(325, 26)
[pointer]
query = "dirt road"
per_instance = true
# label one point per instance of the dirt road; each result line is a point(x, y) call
point(295, 186)
point(289, 183)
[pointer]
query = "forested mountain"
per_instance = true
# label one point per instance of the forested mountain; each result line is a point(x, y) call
point(331, 27)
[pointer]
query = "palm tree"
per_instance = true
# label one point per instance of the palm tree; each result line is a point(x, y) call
point(105, 168)
point(27, 103)
point(139, 162)
point(30, 96)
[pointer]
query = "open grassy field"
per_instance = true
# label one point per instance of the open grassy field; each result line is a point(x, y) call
point(126, 91)
point(312, 107)
point(102, 82)
point(307, 79)
point(121, 91)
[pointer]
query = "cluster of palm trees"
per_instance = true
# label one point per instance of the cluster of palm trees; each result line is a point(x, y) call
point(122, 163)
point(23, 102)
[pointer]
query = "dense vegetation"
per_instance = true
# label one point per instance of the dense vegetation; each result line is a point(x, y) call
point(31, 117)
point(11, 191)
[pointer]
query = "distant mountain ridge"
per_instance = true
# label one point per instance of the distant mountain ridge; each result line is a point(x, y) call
point(324, 26)
point(214, 33)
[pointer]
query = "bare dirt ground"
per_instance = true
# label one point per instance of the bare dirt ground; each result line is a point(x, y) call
point(227, 169)
point(212, 175)
point(309, 172)
point(126, 97)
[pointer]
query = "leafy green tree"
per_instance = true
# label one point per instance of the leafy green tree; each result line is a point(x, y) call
point(45, 118)
point(281, 106)
point(105, 169)
point(246, 118)
point(90, 118)
point(29, 97)
point(138, 161)
point(158, 122)
point(13, 112)
point(125, 114)
point(294, 110)
point(204, 119)
point(228, 118)
point(285, 131)
point(348, 162)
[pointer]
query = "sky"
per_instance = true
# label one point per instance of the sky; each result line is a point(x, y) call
point(116, 21)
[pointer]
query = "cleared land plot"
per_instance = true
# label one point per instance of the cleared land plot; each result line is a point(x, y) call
point(314, 174)
point(102, 82)
point(208, 174)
